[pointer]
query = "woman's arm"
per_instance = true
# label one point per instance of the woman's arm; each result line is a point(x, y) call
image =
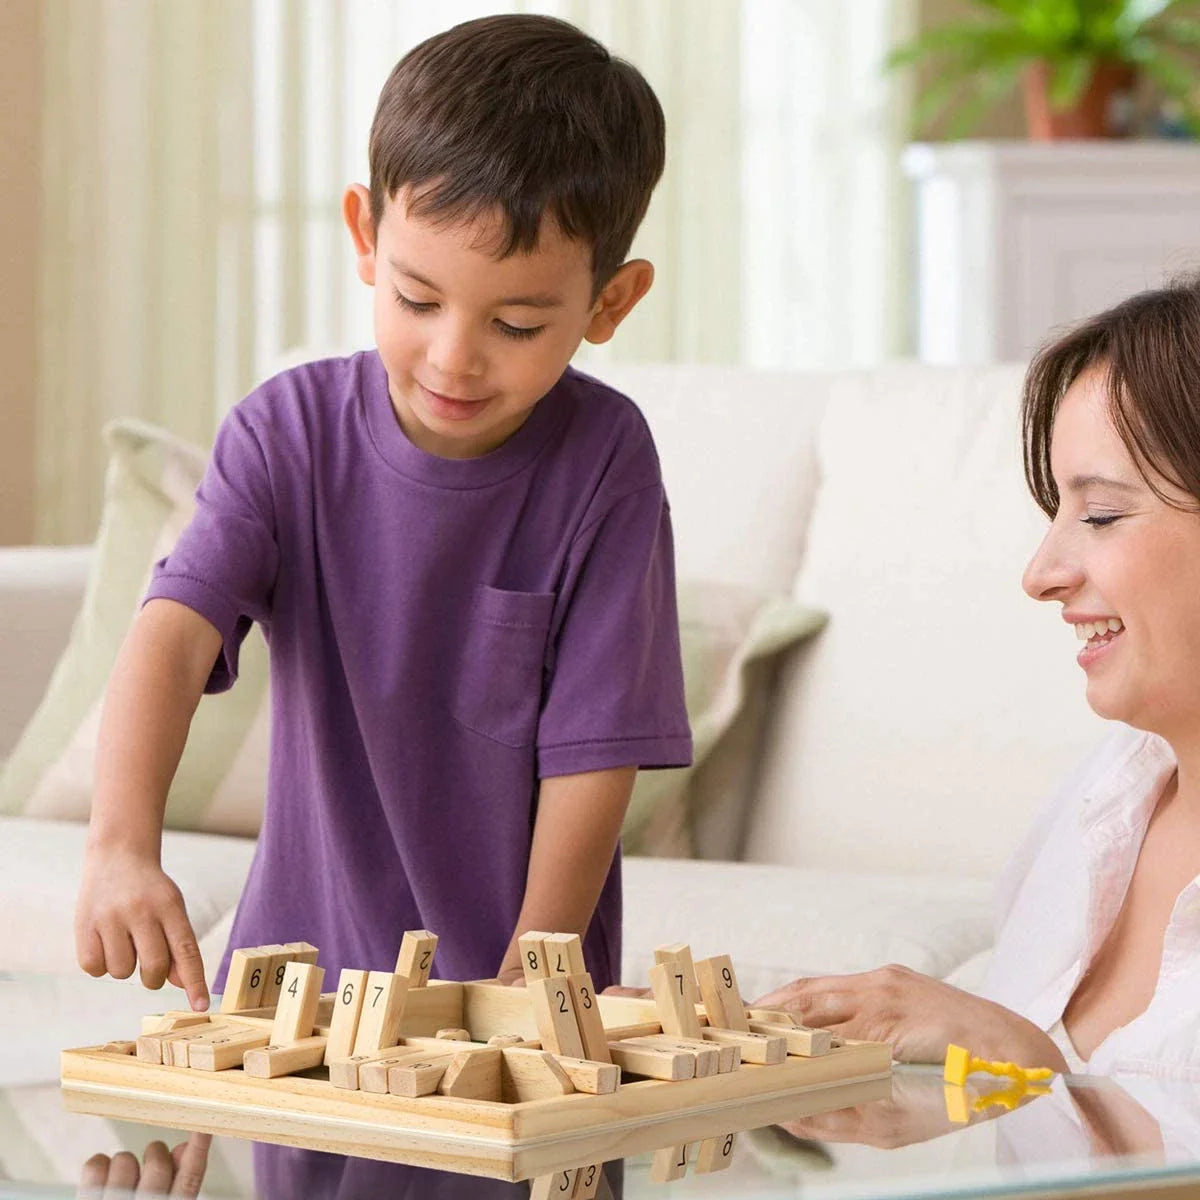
point(917, 1015)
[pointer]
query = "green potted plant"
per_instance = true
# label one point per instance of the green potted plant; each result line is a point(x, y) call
point(1073, 58)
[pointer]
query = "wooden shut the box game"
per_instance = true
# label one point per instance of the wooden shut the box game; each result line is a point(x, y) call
point(511, 1082)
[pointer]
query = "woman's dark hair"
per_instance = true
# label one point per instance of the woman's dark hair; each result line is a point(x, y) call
point(1149, 348)
point(527, 115)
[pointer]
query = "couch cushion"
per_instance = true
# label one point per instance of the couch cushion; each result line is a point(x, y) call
point(730, 637)
point(737, 452)
point(40, 591)
point(43, 863)
point(221, 779)
point(778, 923)
point(921, 728)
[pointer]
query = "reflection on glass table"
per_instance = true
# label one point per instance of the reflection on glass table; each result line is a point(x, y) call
point(918, 1138)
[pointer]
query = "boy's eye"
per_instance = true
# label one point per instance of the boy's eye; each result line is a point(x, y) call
point(1100, 522)
point(517, 331)
point(411, 305)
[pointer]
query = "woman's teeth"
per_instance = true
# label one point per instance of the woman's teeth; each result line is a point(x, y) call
point(1088, 630)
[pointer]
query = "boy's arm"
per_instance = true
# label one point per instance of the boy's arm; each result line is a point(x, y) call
point(575, 836)
point(129, 910)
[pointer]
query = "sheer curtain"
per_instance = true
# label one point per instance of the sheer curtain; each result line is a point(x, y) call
point(195, 154)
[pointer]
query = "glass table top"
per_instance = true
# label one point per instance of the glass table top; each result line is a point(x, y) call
point(911, 1136)
point(917, 1138)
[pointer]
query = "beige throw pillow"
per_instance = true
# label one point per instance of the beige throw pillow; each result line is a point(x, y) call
point(221, 781)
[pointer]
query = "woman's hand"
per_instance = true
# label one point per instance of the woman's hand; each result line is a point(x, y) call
point(162, 1172)
point(918, 1016)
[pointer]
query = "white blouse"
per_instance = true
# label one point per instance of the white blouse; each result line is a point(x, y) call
point(1062, 891)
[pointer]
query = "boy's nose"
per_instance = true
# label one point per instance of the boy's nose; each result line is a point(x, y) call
point(1052, 573)
point(453, 353)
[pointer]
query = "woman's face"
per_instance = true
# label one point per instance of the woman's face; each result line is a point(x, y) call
point(1125, 566)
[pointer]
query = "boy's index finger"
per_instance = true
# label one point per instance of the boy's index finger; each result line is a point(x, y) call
point(187, 963)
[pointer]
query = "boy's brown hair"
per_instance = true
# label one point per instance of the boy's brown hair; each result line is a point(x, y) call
point(529, 115)
point(1149, 349)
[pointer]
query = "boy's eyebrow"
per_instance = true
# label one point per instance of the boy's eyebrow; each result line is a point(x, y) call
point(537, 300)
point(1077, 483)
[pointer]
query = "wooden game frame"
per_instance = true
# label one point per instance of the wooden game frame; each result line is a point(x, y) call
point(510, 1140)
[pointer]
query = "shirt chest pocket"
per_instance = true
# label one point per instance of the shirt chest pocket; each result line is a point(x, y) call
point(498, 692)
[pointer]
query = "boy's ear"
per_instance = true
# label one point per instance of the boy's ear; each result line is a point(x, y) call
point(617, 298)
point(356, 212)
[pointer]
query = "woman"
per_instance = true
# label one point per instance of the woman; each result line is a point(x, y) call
point(1097, 958)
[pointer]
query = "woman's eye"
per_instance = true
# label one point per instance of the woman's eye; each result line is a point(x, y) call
point(411, 305)
point(1100, 522)
point(517, 331)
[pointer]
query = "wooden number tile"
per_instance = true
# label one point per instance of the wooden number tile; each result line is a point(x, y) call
point(587, 1017)
point(347, 1009)
point(382, 1012)
point(344, 1072)
point(564, 954)
point(296, 1012)
point(175, 1045)
point(532, 1075)
point(808, 1043)
point(273, 980)
point(777, 1016)
point(169, 1022)
point(679, 952)
point(244, 981)
point(221, 1051)
point(157, 1047)
point(149, 1047)
point(559, 1186)
point(675, 997)
point(419, 1078)
point(669, 1163)
point(473, 1075)
point(586, 1075)
point(706, 1054)
point(301, 952)
point(554, 1011)
point(761, 1048)
point(271, 1061)
point(533, 954)
point(714, 1154)
point(719, 991)
point(587, 1182)
point(416, 956)
point(652, 1062)
point(373, 1075)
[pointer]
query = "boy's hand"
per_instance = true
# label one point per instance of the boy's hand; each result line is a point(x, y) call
point(130, 912)
point(178, 1172)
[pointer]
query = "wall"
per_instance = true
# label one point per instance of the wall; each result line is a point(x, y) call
point(20, 91)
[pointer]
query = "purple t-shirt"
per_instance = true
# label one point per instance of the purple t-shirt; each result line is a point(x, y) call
point(443, 634)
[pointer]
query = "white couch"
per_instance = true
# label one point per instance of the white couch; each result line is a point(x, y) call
point(903, 749)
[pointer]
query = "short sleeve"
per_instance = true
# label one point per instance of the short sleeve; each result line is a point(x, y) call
point(614, 694)
point(225, 561)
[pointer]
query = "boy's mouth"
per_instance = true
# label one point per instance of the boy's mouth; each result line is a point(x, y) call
point(453, 408)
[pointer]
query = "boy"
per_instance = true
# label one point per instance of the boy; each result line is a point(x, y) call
point(459, 550)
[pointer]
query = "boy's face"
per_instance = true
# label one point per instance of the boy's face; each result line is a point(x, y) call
point(470, 342)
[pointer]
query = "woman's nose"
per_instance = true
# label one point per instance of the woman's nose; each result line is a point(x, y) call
point(1053, 572)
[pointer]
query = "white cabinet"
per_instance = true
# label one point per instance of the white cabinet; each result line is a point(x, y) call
point(1016, 239)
